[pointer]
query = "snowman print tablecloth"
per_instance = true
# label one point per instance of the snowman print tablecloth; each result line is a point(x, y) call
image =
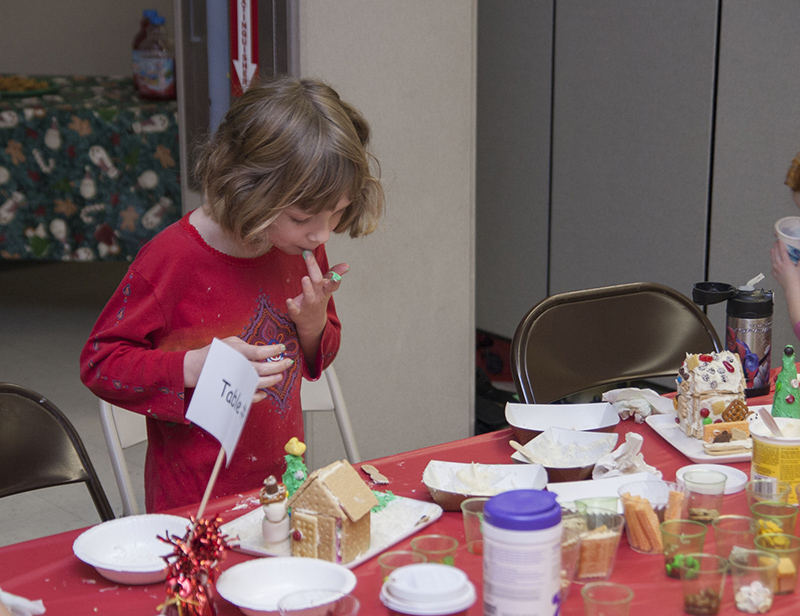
point(88, 170)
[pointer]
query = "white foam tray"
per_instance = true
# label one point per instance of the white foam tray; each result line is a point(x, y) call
point(666, 427)
point(400, 518)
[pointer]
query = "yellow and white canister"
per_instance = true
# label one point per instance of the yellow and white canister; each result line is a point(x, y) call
point(777, 457)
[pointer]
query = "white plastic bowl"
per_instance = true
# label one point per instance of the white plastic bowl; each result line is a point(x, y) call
point(256, 586)
point(128, 550)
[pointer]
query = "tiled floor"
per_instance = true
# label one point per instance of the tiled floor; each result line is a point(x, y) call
point(40, 344)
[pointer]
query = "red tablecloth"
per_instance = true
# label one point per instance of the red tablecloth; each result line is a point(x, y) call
point(46, 568)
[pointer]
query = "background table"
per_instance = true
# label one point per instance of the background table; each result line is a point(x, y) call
point(88, 170)
point(46, 568)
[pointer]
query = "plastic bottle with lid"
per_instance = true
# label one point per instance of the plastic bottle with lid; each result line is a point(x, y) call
point(522, 554)
point(748, 327)
point(147, 16)
point(155, 75)
point(748, 333)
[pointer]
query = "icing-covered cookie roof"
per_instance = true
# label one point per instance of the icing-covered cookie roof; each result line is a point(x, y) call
point(713, 373)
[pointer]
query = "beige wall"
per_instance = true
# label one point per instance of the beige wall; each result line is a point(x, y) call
point(72, 37)
point(407, 357)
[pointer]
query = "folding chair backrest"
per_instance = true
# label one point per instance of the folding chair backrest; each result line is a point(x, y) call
point(571, 342)
point(40, 448)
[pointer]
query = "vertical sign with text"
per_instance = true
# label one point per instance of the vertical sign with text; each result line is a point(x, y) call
point(244, 44)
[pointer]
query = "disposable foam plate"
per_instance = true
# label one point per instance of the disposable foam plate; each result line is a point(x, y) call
point(401, 518)
point(128, 550)
point(666, 427)
point(428, 588)
point(734, 483)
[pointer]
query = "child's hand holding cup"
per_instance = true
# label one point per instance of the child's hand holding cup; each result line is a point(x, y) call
point(787, 231)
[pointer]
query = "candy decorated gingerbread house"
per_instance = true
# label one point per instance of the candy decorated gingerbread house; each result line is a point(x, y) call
point(331, 514)
point(710, 402)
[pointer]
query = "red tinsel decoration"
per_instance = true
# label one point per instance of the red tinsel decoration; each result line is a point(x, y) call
point(192, 568)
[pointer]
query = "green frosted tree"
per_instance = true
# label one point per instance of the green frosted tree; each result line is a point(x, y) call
point(786, 402)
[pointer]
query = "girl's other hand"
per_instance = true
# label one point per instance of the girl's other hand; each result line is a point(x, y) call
point(269, 372)
point(309, 310)
point(787, 273)
point(783, 269)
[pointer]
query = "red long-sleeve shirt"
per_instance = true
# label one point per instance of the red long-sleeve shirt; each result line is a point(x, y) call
point(178, 295)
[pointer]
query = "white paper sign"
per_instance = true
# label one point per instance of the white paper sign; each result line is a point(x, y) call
point(221, 401)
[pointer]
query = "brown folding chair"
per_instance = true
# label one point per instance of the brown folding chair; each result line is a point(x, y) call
point(572, 342)
point(40, 448)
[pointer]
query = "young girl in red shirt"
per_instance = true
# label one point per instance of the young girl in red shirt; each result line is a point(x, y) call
point(287, 167)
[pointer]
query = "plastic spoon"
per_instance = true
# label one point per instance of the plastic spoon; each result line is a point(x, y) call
point(529, 456)
point(769, 420)
point(750, 285)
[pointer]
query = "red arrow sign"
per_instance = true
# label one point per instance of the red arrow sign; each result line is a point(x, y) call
point(244, 44)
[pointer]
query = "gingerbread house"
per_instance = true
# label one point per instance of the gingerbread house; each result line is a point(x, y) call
point(331, 514)
point(710, 402)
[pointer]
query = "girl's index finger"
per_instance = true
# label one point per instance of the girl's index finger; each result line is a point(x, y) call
point(314, 273)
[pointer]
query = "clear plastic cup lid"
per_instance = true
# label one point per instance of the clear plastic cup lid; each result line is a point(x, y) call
point(428, 589)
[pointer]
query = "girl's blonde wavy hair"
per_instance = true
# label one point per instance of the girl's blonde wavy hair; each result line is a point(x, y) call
point(289, 142)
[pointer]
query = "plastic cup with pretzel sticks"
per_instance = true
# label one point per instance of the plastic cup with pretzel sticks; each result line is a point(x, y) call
point(646, 505)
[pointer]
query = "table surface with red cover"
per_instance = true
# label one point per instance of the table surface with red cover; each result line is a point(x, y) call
point(47, 569)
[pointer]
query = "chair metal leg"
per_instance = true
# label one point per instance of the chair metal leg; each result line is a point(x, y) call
point(124, 484)
point(342, 417)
